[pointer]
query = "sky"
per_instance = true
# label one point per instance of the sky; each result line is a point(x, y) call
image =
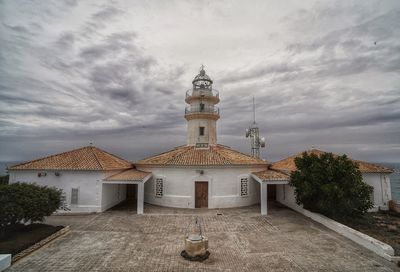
point(324, 74)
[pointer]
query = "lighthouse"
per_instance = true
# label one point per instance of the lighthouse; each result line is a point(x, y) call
point(202, 113)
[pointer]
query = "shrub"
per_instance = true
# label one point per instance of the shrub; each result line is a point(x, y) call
point(24, 202)
point(330, 185)
point(4, 179)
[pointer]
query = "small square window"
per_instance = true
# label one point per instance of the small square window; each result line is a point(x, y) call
point(244, 187)
point(201, 131)
point(159, 187)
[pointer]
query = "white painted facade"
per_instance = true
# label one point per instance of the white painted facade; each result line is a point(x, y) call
point(382, 192)
point(111, 195)
point(93, 195)
point(223, 186)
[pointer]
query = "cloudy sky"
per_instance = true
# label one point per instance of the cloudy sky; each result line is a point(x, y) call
point(324, 74)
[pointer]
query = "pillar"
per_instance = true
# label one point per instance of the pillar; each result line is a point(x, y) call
point(264, 198)
point(140, 198)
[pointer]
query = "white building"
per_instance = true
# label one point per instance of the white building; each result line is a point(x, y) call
point(200, 174)
point(277, 177)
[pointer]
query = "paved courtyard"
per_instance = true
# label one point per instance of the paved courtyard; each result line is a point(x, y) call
point(239, 240)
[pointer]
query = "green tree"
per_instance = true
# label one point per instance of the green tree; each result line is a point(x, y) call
point(4, 179)
point(25, 202)
point(330, 185)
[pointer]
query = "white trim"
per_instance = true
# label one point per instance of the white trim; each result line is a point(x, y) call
point(146, 178)
point(256, 178)
point(5, 261)
point(122, 182)
point(269, 181)
point(276, 181)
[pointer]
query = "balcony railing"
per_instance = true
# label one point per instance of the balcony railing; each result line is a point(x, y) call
point(209, 110)
point(202, 92)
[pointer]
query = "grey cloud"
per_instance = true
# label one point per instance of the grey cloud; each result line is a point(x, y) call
point(91, 82)
point(65, 41)
point(106, 13)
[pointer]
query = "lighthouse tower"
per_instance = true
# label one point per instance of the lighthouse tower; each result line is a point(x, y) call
point(202, 114)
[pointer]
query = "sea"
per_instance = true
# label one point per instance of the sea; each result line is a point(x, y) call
point(394, 178)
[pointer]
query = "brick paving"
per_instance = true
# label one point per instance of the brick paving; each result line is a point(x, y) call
point(239, 240)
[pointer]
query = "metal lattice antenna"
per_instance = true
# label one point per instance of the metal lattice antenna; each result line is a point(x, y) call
point(254, 111)
point(253, 132)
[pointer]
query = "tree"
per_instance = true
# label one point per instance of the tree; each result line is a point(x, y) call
point(25, 202)
point(330, 185)
point(4, 179)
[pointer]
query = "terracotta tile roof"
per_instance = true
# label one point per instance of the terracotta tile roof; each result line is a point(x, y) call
point(271, 175)
point(191, 156)
point(365, 167)
point(128, 175)
point(85, 158)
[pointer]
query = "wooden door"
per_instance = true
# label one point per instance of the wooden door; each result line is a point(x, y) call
point(201, 194)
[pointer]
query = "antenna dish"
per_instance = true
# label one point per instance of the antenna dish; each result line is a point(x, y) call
point(247, 132)
point(262, 142)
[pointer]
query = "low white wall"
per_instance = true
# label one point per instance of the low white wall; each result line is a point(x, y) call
point(5, 261)
point(223, 186)
point(112, 194)
point(89, 184)
point(378, 247)
point(285, 195)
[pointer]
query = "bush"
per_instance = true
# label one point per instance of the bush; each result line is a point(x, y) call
point(24, 202)
point(330, 185)
point(4, 179)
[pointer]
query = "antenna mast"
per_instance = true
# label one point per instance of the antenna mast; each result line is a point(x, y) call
point(254, 111)
point(253, 132)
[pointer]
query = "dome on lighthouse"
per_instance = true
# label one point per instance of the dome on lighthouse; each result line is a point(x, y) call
point(202, 80)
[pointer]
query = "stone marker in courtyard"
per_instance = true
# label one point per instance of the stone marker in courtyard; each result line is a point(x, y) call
point(196, 245)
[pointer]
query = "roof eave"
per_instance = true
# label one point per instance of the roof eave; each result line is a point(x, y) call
point(198, 165)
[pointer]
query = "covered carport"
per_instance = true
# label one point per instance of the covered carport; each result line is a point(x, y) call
point(130, 177)
point(265, 178)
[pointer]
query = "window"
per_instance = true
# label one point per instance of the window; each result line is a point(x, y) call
point(244, 186)
point(201, 145)
point(371, 196)
point(74, 196)
point(201, 107)
point(159, 187)
point(201, 131)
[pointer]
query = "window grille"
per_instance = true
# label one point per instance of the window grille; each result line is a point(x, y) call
point(201, 131)
point(159, 187)
point(74, 196)
point(244, 186)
